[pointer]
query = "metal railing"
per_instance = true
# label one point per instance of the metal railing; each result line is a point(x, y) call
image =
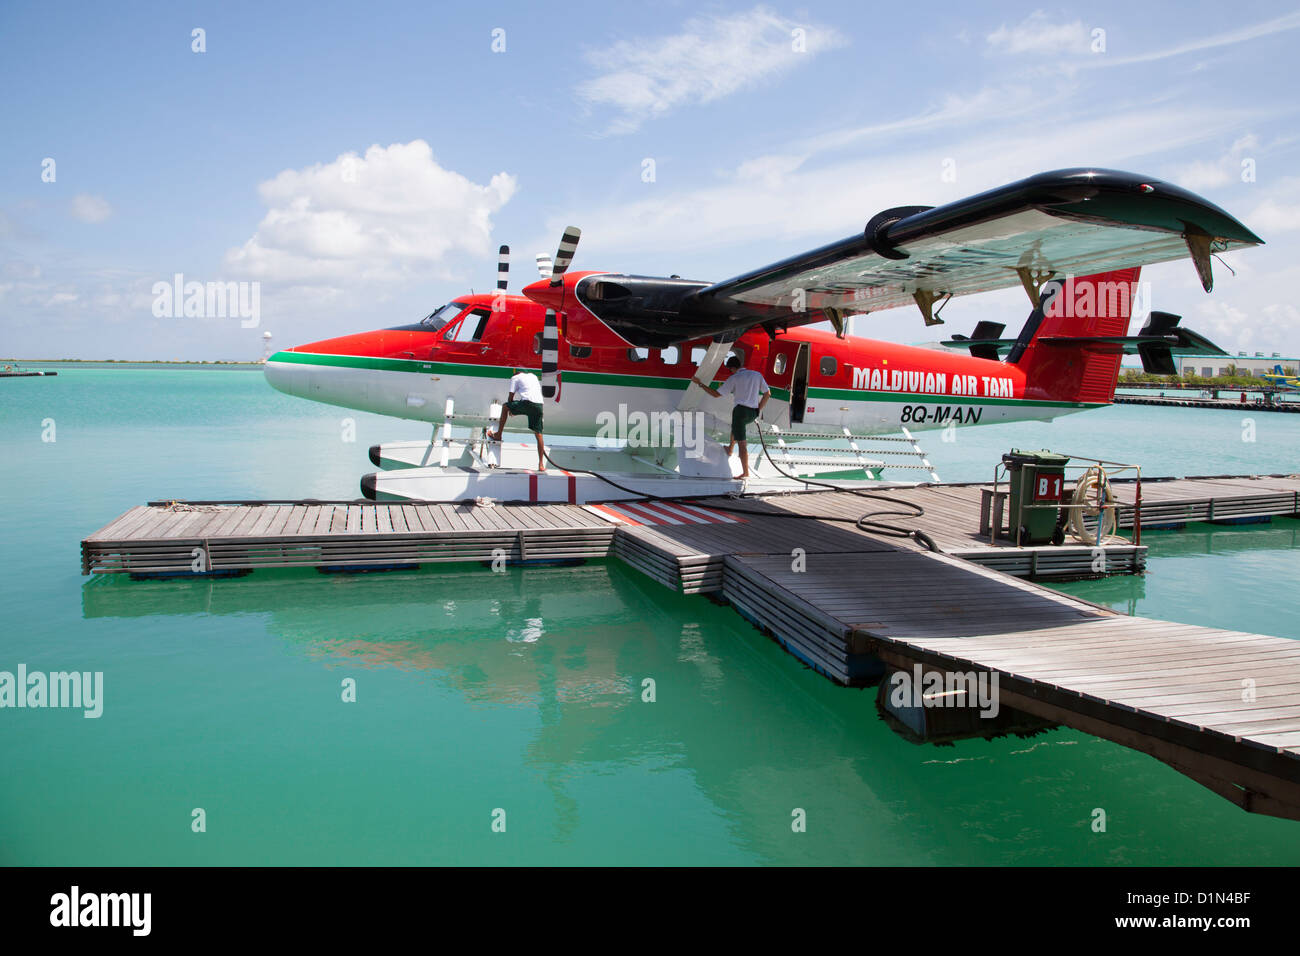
point(1108, 469)
point(860, 453)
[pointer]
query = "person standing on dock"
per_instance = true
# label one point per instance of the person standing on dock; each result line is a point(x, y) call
point(746, 386)
point(529, 389)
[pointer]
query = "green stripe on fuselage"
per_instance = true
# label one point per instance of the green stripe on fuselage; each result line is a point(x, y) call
point(485, 371)
point(921, 398)
point(643, 381)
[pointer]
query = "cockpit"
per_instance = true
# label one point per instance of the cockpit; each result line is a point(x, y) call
point(440, 317)
point(435, 320)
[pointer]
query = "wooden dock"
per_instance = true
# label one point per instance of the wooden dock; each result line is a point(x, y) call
point(1173, 502)
point(1248, 407)
point(218, 537)
point(1222, 707)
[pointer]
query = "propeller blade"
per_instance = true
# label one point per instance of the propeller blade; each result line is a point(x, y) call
point(564, 255)
point(503, 267)
point(550, 354)
point(544, 265)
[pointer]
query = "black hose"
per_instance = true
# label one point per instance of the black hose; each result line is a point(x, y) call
point(867, 523)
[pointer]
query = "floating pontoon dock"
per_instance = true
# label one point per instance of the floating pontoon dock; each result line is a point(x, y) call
point(1178, 401)
point(1221, 706)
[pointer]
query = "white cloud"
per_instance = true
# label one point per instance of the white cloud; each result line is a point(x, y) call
point(1271, 216)
point(92, 209)
point(1280, 24)
point(1225, 169)
point(1279, 210)
point(1040, 35)
point(390, 214)
point(1004, 103)
point(779, 198)
point(773, 206)
point(713, 57)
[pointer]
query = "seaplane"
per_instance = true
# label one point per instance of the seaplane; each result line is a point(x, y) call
point(1280, 378)
point(617, 352)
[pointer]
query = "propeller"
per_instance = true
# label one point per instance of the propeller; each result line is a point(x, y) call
point(551, 330)
point(503, 277)
point(503, 267)
point(564, 254)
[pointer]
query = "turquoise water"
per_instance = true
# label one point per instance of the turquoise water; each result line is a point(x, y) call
point(523, 691)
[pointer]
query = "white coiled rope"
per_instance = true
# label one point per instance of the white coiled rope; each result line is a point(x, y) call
point(1094, 504)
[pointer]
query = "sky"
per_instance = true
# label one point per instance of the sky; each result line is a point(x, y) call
point(355, 166)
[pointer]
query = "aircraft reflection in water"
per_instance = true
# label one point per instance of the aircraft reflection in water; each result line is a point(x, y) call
point(731, 721)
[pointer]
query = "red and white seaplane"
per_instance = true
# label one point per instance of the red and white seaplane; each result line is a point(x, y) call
point(617, 352)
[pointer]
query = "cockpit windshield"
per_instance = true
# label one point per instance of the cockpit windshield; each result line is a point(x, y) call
point(436, 320)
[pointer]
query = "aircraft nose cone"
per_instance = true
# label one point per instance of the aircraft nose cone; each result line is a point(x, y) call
point(544, 293)
point(279, 375)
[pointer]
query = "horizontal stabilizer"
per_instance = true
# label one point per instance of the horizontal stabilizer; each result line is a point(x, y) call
point(985, 342)
point(1160, 339)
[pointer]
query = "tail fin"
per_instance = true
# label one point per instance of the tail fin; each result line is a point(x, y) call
point(1097, 305)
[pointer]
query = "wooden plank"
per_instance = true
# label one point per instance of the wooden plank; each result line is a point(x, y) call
point(109, 531)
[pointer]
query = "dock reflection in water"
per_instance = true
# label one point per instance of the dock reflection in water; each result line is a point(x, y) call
point(466, 676)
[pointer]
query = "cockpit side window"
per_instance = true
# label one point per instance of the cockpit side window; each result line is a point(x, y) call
point(472, 327)
point(440, 317)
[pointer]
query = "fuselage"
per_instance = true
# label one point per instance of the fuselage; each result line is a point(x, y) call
point(820, 383)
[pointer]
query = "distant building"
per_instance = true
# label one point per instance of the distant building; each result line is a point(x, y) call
point(1256, 363)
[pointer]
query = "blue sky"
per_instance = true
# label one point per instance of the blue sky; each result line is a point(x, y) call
point(363, 161)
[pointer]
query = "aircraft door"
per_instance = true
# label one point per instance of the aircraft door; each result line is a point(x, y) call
point(799, 385)
point(466, 338)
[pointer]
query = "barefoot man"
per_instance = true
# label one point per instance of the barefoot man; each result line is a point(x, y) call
point(746, 386)
point(524, 384)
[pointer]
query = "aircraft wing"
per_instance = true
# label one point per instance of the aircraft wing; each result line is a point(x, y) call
point(1066, 222)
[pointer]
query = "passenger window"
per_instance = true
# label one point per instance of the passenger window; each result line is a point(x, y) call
point(537, 344)
point(580, 351)
point(778, 364)
point(828, 366)
point(638, 355)
point(670, 355)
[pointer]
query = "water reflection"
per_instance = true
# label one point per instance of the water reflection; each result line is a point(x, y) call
point(738, 736)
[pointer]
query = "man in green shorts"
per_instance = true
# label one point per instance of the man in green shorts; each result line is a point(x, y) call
point(746, 386)
point(529, 389)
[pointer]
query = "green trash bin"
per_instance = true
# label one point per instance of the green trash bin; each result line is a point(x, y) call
point(1037, 480)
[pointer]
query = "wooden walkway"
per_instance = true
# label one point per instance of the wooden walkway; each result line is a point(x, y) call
point(207, 537)
point(1174, 502)
point(170, 537)
point(1221, 706)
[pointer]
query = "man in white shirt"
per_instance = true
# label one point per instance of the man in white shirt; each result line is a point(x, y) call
point(525, 385)
point(745, 385)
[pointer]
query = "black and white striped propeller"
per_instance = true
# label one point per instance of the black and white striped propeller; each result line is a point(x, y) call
point(503, 269)
point(551, 330)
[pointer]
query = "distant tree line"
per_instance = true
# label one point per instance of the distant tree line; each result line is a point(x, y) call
point(1233, 378)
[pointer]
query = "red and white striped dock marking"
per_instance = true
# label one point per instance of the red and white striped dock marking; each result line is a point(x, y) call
point(660, 512)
